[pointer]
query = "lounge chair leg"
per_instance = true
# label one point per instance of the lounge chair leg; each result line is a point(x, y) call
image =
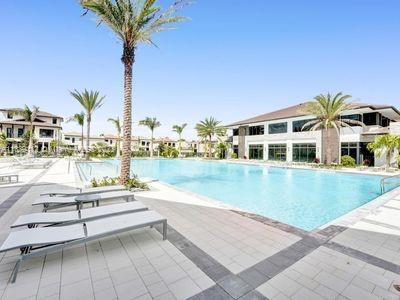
point(15, 271)
point(164, 230)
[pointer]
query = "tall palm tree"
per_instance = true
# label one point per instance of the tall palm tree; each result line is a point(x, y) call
point(328, 109)
point(90, 101)
point(209, 128)
point(117, 124)
point(134, 22)
point(179, 129)
point(385, 145)
point(80, 120)
point(29, 116)
point(152, 124)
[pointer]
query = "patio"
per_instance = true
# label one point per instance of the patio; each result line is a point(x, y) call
point(212, 252)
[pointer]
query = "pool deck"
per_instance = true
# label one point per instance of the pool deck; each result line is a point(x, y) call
point(213, 252)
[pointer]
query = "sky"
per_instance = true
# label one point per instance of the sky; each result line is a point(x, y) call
point(232, 59)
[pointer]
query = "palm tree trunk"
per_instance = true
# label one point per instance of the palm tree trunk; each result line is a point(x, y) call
point(209, 148)
point(151, 143)
point(179, 145)
point(118, 154)
point(88, 137)
point(30, 145)
point(328, 156)
point(388, 159)
point(128, 60)
point(82, 147)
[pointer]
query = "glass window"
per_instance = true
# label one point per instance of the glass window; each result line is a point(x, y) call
point(277, 128)
point(9, 115)
point(54, 120)
point(298, 125)
point(20, 132)
point(256, 151)
point(235, 131)
point(277, 152)
point(349, 149)
point(46, 133)
point(304, 152)
point(236, 149)
point(256, 130)
point(67, 138)
point(73, 140)
point(9, 133)
point(370, 119)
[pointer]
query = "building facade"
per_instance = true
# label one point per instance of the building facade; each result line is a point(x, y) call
point(46, 127)
point(279, 135)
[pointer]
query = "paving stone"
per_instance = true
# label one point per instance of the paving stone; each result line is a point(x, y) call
point(157, 289)
point(253, 277)
point(234, 286)
point(354, 292)
point(306, 294)
point(253, 295)
point(215, 293)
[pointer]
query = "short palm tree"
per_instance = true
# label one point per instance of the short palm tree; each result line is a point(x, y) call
point(29, 116)
point(209, 128)
point(80, 120)
point(152, 124)
point(328, 109)
point(179, 129)
point(134, 22)
point(385, 145)
point(90, 101)
point(3, 142)
point(118, 126)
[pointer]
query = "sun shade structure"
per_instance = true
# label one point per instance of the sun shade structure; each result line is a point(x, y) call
point(70, 217)
point(40, 241)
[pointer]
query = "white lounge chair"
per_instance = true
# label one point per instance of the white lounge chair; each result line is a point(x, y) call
point(40, 241)
point(32, 164)
point(86, 191)
point(71, 217)
point(58, 202)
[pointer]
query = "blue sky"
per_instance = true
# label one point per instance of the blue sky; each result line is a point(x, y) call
point(230, 60)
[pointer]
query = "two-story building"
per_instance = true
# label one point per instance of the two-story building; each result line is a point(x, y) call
point(279, 135)
point(46, 127)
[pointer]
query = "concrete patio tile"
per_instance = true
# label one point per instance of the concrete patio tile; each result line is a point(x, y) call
point(152, 278)
point(130, 289)
point(108, 294)
point(103, 284)
point(326, 292)
point(20, 291)
point(253, 277)
point(184, 288)
point(157, 289)
point(385, 294)
point(331, 281)
point(204, 282)
point(77, 290)
point(144, 297)
point(268, 290)
point(166, 296)
point(49, 290)
point(285, 285)
point(305, 293)
point(235, 286)
point(172, 274)
point(354, 292)
point(123, 275)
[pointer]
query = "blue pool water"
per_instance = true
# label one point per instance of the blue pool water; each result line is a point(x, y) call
point(303, 198)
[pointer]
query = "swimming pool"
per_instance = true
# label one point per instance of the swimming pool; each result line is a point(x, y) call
point(306, 199)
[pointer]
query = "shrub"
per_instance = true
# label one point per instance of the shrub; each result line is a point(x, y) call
point(348, 161)
point(234, 155)
point(170, 152)
point(317, 160)
point(133, 182)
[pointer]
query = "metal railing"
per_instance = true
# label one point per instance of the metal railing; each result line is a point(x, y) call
point(383, 182)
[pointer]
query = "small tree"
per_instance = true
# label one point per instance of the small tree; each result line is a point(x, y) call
point(80, 120)
point(3, 142)
point(90, 101)
point(152, 124)
point(118, 126)
point(209, 128)
point(385, 145)
point(179, 129)
point(29, 116)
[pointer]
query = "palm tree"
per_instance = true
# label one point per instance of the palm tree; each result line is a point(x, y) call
point(90, 101)
point(134, 22)
point(3, 142)
point(385, 145)
point(209, 128)
point(117, 124)
point(179, 129)
point(327, 109)
point(80, 120)
point(152, 124)
point(29, 116)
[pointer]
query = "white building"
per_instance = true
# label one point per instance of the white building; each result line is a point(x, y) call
point(47, 127)
point(278, 135)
